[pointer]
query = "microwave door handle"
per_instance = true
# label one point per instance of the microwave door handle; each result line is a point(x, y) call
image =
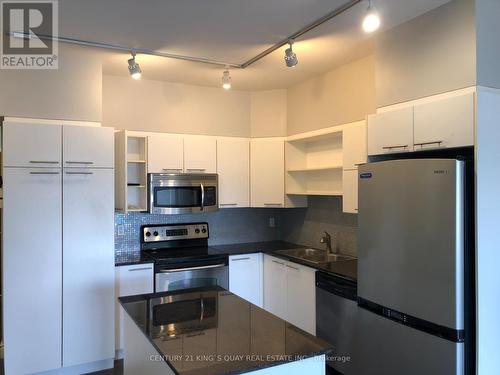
point(202, 196)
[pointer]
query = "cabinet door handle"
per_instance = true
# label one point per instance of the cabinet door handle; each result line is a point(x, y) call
point(428, 143)
point(228, 204)
point(80, 162)
point(171, 169)
point(43, 162)
point(196, 169)
point(42, 173)
point(80, 173)
point(139, 269)
point(236, 259)
point(293, 268)
point(392, 147)
point(273, 204)
point(275, 261)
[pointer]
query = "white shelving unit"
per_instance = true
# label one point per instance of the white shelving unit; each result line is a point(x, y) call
point(314, 163)
point(131, 172)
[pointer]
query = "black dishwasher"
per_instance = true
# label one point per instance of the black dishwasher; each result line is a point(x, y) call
point(336, 320)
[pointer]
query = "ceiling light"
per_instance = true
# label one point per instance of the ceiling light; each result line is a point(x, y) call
point(371, 22)
point(290, 56)
point(133, 68)
point(226, 80)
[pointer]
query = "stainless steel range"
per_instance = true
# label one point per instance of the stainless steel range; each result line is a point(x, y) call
point(182, 257)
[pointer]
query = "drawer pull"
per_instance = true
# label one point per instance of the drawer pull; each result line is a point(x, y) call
point(273, 204)
point(140, 269)
point(171, 169)
point(236, 259)
point(80, 162)
point(228, 204)
point(43, 173)
point(421, 144)
point(196, 169)
point(43, 162)
point(275, 261)
point(293, 268)
point(393, 147)
point(79, 173)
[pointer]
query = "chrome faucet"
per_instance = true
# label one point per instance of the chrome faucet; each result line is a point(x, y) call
point(327, 240)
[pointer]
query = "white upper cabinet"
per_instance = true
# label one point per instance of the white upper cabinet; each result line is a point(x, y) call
point(354, 146)
point(445, 123)
point(350, 188)
point(165, 153)
point(200, 154)
point(233, 167)
point(267, 172)
point(390, 132)
point(88, 146)
point(31, 145)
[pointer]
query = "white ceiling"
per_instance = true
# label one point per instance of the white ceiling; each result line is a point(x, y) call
point(229, 30)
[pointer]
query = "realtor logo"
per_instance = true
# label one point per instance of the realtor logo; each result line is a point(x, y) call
point(29, 34)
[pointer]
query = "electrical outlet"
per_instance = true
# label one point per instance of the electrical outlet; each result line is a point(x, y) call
point(121, 230)
point(272, 222)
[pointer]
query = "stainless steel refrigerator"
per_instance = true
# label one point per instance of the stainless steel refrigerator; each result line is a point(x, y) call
point(411, 267)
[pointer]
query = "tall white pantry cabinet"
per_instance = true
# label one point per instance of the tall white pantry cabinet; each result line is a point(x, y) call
point(58, 247)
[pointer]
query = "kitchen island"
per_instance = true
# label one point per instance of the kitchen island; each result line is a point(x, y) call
point(212, 331)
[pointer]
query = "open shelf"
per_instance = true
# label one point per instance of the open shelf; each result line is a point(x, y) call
point(317, 192)
point(131, 172)
point(318, 168)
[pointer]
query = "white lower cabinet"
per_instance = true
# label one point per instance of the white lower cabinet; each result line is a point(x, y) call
point(301, 296)
point(32, 272)
point(275, 286)
point(245, 277)
point(88, 264)
point(290, 292)
point(130, 280)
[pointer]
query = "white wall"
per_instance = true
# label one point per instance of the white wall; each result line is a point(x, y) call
point(73, 92)
point(173, 107)
point(268, 115)
point(431, 54)
point(344, 94)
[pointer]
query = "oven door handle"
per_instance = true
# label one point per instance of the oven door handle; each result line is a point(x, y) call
point(202, 196)
point(191, 268)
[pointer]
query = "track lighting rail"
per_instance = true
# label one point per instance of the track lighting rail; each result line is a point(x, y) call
point(203, 60)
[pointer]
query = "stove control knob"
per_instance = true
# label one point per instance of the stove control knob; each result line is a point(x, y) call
point(155, 233)
point(197, 230)
point(204, 230)
point(148, 234)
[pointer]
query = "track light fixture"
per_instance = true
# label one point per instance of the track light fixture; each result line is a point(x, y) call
point(290, 56)
point(371, 22)
point(133, 67)
point(226, 79)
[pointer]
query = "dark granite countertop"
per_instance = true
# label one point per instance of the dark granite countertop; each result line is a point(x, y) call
point(129, 259)
point(253, 247)
point(346, 269)
point(225, 333)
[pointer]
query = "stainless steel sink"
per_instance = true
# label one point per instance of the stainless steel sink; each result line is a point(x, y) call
point(314, 255)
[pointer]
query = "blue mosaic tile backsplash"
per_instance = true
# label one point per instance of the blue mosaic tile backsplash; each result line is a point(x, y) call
point(226, 226)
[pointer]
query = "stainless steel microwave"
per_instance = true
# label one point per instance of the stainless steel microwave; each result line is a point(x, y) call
point(181, 193)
